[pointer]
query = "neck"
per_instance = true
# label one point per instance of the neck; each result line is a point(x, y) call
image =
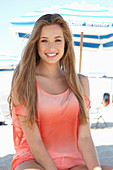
point(49, 70)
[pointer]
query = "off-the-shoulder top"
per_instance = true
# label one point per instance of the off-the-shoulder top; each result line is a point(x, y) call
point(58, 123)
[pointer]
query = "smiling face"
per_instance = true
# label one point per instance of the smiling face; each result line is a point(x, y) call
point(51, 44)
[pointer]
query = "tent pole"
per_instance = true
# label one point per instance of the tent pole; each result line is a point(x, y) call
point(81, 45)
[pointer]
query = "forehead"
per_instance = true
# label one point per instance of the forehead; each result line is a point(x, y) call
point(51, 30)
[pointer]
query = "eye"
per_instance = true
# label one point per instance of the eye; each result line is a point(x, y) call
point(58, 40)
point(43, 40)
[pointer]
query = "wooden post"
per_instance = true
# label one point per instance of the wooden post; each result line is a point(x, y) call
point(81, 45)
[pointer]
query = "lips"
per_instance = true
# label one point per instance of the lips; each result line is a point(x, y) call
point(51, 54)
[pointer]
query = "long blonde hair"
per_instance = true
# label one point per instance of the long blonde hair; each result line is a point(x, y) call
point(24, 74)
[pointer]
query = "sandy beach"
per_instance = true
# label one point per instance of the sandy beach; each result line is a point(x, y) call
point(102, 134)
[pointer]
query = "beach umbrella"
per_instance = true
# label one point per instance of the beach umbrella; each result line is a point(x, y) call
point(8, 62)
point(91, 25)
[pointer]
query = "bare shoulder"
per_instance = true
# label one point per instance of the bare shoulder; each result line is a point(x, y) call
point(85, 84)
point(83, 79)
point(15, 100)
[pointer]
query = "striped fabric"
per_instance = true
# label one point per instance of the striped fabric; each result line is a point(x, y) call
point(97, 25)
point(6, 60)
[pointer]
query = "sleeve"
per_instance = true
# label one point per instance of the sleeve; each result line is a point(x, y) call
point(19, 110)
point(88, 102)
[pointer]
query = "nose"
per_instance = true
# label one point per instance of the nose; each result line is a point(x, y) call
point(51, 45)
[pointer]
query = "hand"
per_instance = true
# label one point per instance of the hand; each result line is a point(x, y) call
point(97, 168)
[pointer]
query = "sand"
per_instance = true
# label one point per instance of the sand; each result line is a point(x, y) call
point(6, 146)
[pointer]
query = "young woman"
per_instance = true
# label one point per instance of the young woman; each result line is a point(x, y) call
point(49, 103)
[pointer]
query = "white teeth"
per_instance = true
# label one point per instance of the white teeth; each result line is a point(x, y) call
point(51, 55)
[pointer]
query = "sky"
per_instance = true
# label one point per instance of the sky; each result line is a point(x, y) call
point(11, 9)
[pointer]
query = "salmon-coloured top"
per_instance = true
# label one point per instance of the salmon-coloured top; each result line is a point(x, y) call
point(58, 124)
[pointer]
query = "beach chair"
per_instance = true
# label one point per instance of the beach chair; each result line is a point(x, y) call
point(100, 116)
point(4, 108)
point(100, 111)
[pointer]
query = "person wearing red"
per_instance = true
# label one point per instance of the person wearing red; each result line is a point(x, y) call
point(49, 103)
point(106, 99)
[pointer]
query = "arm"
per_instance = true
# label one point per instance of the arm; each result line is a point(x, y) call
point(85, 143)
point(37, 147)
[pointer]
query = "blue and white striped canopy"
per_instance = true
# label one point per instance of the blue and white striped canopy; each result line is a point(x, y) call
point(6, 60)
point(96, 25)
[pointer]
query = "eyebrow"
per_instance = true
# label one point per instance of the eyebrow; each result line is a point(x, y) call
point(55, 37)
point(58, 36)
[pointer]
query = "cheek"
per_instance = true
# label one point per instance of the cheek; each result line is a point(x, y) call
point(40, 49)
point(62, 48)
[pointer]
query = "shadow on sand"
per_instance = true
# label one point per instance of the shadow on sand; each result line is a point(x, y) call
point(105, 154)
point(100, 125)
point(5, 162)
